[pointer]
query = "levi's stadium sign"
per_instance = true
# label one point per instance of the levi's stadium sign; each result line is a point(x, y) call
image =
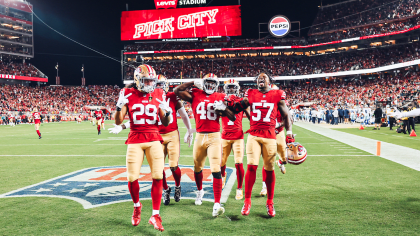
point(164, 4)
point(279, 26)
point(181, 23)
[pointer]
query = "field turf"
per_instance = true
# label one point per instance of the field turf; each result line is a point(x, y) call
point(338, 190)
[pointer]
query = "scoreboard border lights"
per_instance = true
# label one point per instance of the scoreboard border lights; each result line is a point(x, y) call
point(279, 35)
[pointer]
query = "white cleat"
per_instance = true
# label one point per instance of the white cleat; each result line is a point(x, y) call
point(263, 192)
point(199, 199)
point(218, 210)
point(281, 166)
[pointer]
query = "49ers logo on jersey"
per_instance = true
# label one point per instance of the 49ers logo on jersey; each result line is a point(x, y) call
point(98, 186)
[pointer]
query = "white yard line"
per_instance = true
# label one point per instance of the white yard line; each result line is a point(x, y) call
point(402, 155)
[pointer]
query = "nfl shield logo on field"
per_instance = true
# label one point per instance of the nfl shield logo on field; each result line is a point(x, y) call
point(279, 26)
point(99, 186)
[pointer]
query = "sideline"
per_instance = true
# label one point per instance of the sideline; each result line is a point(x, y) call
point(402, 155)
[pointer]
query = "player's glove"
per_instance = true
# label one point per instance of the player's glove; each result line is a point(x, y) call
point(219, 106)
point(189, 137)
point(122, 100)
point(199, 84)
point(277, 125)
point(116, 130)
point(164, 105)
point(290, 137)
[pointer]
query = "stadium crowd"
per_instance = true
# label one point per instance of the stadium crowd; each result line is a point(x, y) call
point(53, 100)
point(358, 13)
point(286, 65)
point(20, 69)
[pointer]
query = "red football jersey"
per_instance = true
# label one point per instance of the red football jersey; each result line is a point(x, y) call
point(264, 108)
point(279, 120)
point(174, 125)
point(98, 115)
point(37, 117)
point(232, 130)
point(206, 118)
point(143, 113)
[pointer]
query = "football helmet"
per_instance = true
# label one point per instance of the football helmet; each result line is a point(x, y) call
point(98, 109)
point(296, 153)
point(162, 83)
point(231, 87)
point(274, 87)
point(210, 83)
point(145, 74)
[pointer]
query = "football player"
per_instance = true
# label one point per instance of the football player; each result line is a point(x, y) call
point(171, 139)
point(281, 147)
point(98, 117)
point(264, 103)
point(233, 138)
point(207, 106)
point(145, 106)
point(37, 119)
point(11, 120)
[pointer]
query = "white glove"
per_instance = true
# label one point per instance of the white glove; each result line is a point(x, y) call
point(116, 130)
point(277, 125)
point(219, 106)
point(199, 84)
point(164, 105)
point(189, 137)
point(122, 100)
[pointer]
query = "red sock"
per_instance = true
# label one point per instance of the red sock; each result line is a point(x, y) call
point(217, 189)
point(264, 175)
point(134, 189)
point(270, 182)
point(165, 185)
point(250, 176)
point(240, 174)
point(156, 193)
point(39, 134)
point(199, 180)
point(177, 176)
point(223, 169)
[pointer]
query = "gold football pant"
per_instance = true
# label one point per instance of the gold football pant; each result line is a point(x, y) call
point(37, 126)
point(281, 146)
point(171, 147)
point(207, 145)
point(135, 156)
point(99, 122)
point(238, 150)
point(257, 146)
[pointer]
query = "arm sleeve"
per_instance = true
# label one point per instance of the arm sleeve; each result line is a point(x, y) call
point(184, 117)
point(412, 113)
point(127, 124)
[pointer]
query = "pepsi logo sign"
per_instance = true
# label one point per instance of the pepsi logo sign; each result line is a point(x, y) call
point(279, 26)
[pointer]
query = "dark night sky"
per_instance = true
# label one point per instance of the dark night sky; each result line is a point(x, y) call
point(97, 25)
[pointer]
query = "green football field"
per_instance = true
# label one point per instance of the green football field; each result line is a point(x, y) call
point(338, 190)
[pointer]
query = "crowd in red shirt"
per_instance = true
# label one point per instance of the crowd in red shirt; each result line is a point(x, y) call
point(286, 65)
point(20, 69)
point(56, 99)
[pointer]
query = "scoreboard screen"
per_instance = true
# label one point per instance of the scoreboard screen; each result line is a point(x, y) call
point(195, 22)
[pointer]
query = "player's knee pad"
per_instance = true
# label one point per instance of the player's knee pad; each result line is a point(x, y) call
point(131, 177)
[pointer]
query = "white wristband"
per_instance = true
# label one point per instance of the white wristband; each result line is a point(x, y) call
point(289, 132)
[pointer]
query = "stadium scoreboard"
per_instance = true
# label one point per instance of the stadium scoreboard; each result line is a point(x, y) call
point(196, 22)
